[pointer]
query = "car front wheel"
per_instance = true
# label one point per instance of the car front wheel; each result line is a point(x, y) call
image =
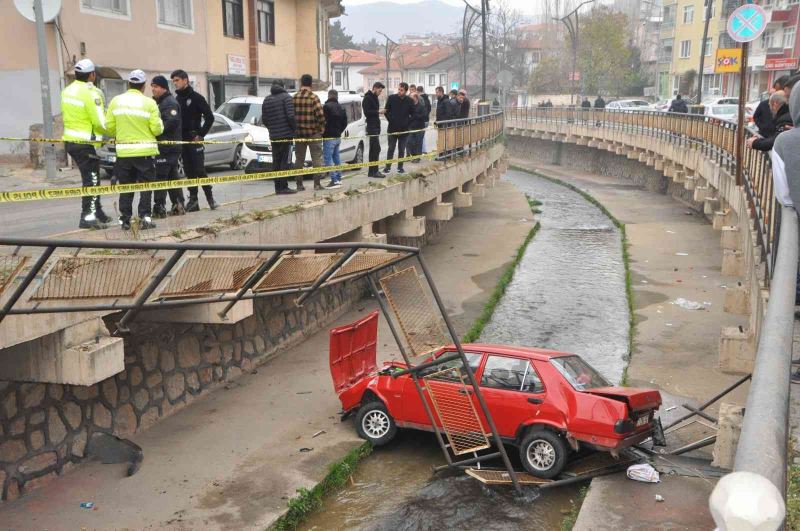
point(375, 424)
point(543, 454)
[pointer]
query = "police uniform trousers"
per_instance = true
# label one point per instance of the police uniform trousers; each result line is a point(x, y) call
point(167, 170)
point(130, 170)
point(88, 163)
point(194, 167)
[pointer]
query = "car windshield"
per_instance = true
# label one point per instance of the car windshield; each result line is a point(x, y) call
point(240, 113)
point(579, 374)
point(639, 104)
point(723, 109)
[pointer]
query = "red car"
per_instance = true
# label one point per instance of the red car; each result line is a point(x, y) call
point(543, 402)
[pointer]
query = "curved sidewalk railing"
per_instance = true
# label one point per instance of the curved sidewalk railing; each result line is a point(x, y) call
point(762, 448)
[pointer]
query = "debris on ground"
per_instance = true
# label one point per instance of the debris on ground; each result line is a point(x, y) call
point(643, 472)
point(306, 449)
point(659, 498)
point(681, 254)
point(303, 392)
point(320, 432)
point(87, 505)
point(690, 305)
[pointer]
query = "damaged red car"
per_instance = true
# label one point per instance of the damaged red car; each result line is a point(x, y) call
point(545, 403)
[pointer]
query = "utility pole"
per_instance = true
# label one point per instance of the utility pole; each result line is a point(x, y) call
point(390, 48)
point(709, 4)
point(44, 74)
point(470, 17)
point(572, 28)
point(484, 8)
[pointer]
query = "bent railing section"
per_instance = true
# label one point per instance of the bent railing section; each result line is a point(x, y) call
point(762, 447)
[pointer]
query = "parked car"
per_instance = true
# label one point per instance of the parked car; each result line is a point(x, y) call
point(257, 151)
point(223, 129)
point(545, 403)
point(721, 101)
point(629, 105)
point(728, 113)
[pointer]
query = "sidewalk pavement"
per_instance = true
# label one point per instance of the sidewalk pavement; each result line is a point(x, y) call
point(674, 253)
point(231, 459)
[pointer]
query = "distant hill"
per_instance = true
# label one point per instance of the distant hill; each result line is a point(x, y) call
point(395, 20)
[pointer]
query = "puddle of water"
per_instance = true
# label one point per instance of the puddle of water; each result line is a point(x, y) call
point(567, 294)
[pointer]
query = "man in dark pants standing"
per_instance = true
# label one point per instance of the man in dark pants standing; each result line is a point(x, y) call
point(167, 159)
point(399, 109)
point(277, 115)
point(196, 121)
point(464, 102)
point(372, 112)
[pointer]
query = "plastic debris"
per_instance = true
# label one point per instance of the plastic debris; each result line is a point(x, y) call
point(643, 472)
point(306, 449)
point(681, 254)
point(659, 498)
point(320, 432)
point(87, 505)
point(670, 232)
point(690, 305)
point(671, 408)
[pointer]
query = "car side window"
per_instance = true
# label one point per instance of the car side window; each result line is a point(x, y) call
point(219, 127)
point(349, 107)
point(357, 111)
point(473, 360)
point(511, 374)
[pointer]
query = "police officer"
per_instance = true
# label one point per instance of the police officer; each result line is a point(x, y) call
point(194, 107)
point(84, 124)
point(167, 160)
point(135, 121)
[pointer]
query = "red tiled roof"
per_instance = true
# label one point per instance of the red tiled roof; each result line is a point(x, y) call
point(354, 57)
point(413, 57)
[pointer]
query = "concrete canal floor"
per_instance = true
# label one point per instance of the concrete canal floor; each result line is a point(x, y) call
point(232, 459)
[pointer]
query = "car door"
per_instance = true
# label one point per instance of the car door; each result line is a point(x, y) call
point(347, 148)
point(219, 153)
point(513, 392)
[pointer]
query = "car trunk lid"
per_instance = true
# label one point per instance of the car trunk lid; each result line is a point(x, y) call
point(353, 351)
point(637, 399)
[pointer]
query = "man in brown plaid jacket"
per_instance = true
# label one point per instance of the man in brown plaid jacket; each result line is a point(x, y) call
point(310, 125)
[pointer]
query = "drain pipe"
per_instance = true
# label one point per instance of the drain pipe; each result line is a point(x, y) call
point(752, 497)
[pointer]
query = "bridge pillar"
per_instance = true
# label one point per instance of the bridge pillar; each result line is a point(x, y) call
point(643, 156)
point(724, 218)
point(660, 165)
point(435, 210)
point(700, 193)
point(737, 350)
point(737, 300)
point(731, 239)
point(733, 263)
point(405, 225)
point(458, 198)
point(711, 205)
point(472, 187)
point(690, 183)
point(201, 313)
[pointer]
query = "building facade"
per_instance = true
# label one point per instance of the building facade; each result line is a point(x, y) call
point(417, 64)
point(347, 66)
point(228, 47)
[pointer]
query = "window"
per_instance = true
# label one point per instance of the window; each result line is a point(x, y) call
point(686, 49)
point(669, 15)
point(709, 44)
point(219, 126)
point(232, 18)
point(665, 50)
point(114, 7)
point(443, 79)
point(688, 14)
point(789, 37)
point(266, 21)
point(473, 359)
point(240, 112)
point(578, 373)
point(431, 80)
point(350, 110)
point(768, 39)
point(175, 13)
point(511, 374)
point(337, 78)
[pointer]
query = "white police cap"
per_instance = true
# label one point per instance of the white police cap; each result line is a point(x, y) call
point(137, 76)
point(84, 66)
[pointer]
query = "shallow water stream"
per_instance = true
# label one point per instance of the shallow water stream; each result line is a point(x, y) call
point(567, 294)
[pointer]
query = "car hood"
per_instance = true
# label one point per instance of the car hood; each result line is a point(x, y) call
point(257, 133)
point(637, 399)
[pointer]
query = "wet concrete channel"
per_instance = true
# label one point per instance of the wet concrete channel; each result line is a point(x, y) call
point(568, 294)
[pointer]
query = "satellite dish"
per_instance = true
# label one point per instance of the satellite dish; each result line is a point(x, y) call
point(505, 78)
point(50, 9)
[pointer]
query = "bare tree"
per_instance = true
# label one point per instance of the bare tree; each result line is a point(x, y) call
point(504, 44)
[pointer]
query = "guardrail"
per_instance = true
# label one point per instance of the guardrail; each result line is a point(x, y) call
point(762, 450)
point(462, 136)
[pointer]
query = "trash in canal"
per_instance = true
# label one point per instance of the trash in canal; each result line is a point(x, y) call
point(689, 305)
point(87, 505)
point(659, 498)
point(304, 450)
point(643, 472)
point(320, 432)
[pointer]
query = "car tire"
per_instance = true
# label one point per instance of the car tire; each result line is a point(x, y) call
point(238, 162)
point(359, 158)
point(543, 454)
point(375, 424)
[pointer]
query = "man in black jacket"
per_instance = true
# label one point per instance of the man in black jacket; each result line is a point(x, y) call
point(441, 104)
point(782, 121)
point(599, 103)
point(277, 115)
point(167, 159)
point(464, 102)
point(417, 122)
point(762, 116)
point(372, 112)
point(399, 109)
point(335, 124)
point(196, 121)
point(453, 106)
point(678, 105)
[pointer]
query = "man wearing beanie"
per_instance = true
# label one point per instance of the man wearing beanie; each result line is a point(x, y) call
point(167, 159)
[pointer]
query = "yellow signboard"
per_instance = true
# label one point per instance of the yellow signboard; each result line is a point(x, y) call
point(729, 61)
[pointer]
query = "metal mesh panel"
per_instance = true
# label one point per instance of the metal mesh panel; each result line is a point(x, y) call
point(296, 270)
point(502, 477)
point(453, 405)
point(361, 262)
point(212, 274)
point(96, 277)
point(418, 319)
point(10, 266)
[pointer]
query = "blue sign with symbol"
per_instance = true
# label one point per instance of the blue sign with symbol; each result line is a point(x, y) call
point(747, 23)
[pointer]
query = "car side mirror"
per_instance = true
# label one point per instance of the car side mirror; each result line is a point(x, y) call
point(253, 120)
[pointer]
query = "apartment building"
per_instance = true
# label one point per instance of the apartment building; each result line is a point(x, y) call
point(347, 66)
point(228, 47)
point(775, 53)
point(419, 64)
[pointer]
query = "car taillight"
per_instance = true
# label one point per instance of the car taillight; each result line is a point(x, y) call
point(624, 426)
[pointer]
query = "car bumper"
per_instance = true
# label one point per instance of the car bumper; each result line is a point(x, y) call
point(614, 443)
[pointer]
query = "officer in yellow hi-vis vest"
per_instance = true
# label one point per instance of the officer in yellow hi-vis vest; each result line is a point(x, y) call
point(84, 123)
point(135, 121)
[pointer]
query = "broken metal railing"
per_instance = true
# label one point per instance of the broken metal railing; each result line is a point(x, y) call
point(279, 272)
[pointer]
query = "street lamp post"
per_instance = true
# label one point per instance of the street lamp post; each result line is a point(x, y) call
point(482, 13)
point(470, 17)
point(390, 48)
point(709, 4)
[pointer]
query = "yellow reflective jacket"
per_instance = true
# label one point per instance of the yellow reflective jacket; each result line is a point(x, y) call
point(134, 120)
point(83, 112)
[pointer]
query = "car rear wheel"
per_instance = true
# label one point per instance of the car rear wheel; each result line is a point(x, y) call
point(543, 454)
point(359, 158)
point(375, 424)
point(238, 162)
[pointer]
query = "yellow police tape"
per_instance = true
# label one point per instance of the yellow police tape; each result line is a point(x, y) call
point(88, 191)
point(302, 140)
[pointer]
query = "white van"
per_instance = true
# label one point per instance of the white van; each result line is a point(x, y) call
point(257, 150)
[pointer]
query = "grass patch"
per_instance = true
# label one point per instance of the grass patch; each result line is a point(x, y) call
point(178, 233)
point(572, 516)
point(289, 209)
point(261, 215)
point(500, 289)
point(234, 220)
point(308, 500)
point(625, 255)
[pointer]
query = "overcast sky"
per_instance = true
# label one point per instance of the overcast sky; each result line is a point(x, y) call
point(527, 7)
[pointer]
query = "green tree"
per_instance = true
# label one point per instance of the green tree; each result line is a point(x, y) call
point(549, 77)
point(340, 40)
point(604, 57)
